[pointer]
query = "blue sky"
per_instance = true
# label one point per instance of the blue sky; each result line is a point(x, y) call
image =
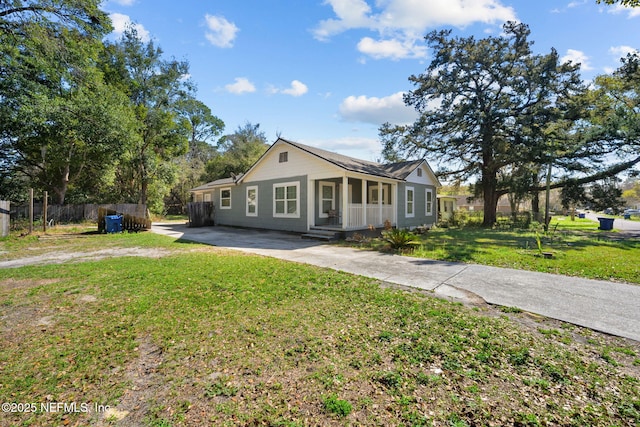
point(327, 73)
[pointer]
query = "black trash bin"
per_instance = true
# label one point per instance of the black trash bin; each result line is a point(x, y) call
point(605, 223)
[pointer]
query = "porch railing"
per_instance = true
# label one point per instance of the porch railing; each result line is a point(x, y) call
point(375, 215)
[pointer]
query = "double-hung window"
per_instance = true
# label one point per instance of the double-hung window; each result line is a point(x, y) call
point(410, 193)
point(428, 197)
point(252, 201)
point(225, 198)
point(286, 200)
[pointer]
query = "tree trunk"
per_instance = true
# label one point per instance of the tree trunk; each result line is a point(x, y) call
point(514, 204)
point(61, 191)
point(144, 188)
point(489, 194)
point(535, 206)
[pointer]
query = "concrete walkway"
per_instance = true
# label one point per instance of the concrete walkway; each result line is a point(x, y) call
point(604, 306)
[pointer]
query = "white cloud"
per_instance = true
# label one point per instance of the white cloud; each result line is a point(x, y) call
point(634, 12)
point(222, 33)
point(377, 111)
point(297, 89)
point(401, 23)
point(621, 51)
point(576, 4)
point(354, 146)
point(124, 2)
point(121, 22)
point(350, 14)
point(241, 85)
point(392, 49)
point(577, 57)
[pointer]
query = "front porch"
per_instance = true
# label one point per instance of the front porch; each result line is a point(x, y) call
point(364, 204)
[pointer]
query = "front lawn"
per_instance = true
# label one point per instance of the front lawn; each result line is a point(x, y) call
point(203, 336)
point(577, 247)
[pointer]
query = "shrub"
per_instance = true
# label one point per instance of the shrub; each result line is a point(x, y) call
point(400, 238)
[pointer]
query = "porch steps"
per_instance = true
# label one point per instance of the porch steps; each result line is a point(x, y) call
point(320, 234)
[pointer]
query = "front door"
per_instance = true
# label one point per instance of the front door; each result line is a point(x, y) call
point(327, 199)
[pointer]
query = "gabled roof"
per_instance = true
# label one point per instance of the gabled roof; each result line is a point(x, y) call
point(398, 171)
point(393, 170)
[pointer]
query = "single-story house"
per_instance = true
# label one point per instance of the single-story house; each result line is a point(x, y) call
point(295, 187)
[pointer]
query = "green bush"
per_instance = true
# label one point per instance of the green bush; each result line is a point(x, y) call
point(400, 238)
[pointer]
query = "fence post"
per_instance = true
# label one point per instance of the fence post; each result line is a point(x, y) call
point(5, 217)
point(30, 210)
point(45, 205)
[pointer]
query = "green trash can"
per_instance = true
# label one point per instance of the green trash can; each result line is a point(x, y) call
point(606, 224)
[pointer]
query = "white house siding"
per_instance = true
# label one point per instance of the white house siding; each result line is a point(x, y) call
point(298, 163)
point(427, 177)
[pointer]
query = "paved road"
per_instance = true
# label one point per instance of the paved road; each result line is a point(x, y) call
point(605, 306)
point(624, 225)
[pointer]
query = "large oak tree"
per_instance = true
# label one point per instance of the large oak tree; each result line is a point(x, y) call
point(59, 123)
point(485, 106)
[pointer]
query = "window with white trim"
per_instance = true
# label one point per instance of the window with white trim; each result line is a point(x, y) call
point(410, 201)
point(283, 157)
point(286, 198)
point(252, 201)
point(419, 170)
point(428, 197)
point(225, 198)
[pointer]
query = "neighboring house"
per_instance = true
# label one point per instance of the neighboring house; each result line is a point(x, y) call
point(446, 206)
point(294, 187)
point(468, 203)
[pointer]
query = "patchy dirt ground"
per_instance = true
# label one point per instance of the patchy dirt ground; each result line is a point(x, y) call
point(63, 257)
point(198, 380)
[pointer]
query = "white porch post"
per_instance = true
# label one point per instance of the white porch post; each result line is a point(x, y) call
point(311, 197)
point(345, 201)
point(394, 203)
point(380, 220)
point(364, 196)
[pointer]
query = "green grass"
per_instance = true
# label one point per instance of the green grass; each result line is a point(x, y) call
point(578, 249)
point(204, 336)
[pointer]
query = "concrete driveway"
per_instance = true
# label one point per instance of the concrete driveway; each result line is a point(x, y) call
point(605, 306)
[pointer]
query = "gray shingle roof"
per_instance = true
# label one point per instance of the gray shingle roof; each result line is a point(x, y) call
point(216, 183)
point(391, 170)
point(399, 171)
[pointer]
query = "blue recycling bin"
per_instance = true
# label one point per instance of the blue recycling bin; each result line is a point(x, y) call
point(582, 215)
point(605, 223)
point(113, 223)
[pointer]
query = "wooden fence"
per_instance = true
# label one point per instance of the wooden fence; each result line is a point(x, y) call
point(201, 214)
point(135, 217)
point(5, 217)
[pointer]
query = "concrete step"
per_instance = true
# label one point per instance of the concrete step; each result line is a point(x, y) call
point(318, 236)
point(322, 231)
